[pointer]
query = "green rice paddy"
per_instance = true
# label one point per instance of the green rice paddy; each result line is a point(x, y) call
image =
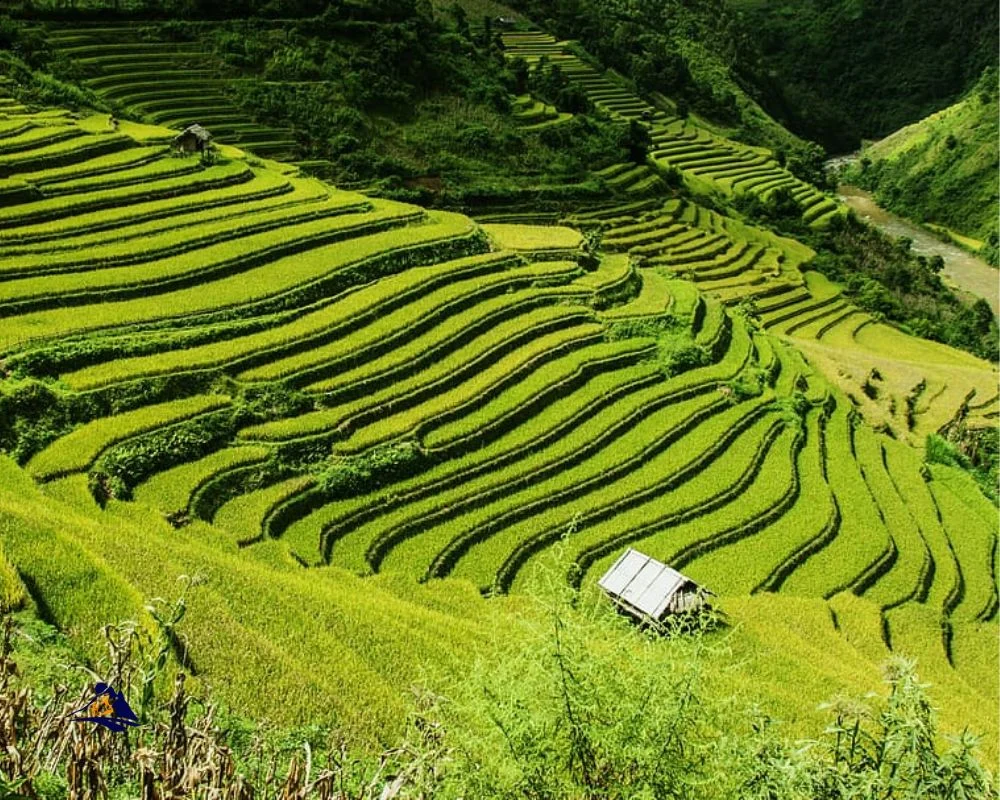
point(360, 396)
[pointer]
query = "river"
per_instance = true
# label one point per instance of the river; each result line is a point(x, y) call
point(962, 270)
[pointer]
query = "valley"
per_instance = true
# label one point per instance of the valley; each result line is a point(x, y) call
point(372, 442)
point(962, 269)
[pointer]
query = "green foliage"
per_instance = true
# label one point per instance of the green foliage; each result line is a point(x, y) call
point(676, 349)
point(980, 461)
point(837, 72)
point(778, 209)
point(945, 169)
point(938, 450)
point(751, 382)
point(581, 704)
point(32, 414)
point(34, 86)
point(890, 751)
point(409, 101)
point(684, 50)
point(349, 475)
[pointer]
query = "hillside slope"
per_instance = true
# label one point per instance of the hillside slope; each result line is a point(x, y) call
point(836, 72)
point(943, 169)
point(354, 417)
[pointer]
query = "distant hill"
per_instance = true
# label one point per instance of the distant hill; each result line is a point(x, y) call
point(943, 169)
point(837, 71)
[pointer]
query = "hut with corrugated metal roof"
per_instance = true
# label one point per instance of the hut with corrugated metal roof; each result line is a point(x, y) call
point(649, 590)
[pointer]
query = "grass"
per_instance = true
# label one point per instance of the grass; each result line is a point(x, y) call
point(77, 450)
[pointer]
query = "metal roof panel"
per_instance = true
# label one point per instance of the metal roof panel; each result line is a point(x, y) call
point(622, 571)
point(642, 580)
point(647, 585)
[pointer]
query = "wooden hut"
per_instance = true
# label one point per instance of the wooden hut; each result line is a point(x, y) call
point(649, 590)
point(193, 139)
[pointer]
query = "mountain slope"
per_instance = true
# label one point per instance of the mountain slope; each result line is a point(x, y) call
point(837, 71)
point(943, 169)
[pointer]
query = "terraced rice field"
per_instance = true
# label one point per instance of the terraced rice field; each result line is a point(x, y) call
point(168, 83)
point(292, 383)
point(702, 157)
point(534, 115)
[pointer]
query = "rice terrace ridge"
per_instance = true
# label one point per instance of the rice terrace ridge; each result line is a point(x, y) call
point(344, 347)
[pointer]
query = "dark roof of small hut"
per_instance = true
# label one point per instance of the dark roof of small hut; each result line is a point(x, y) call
point(195, 130)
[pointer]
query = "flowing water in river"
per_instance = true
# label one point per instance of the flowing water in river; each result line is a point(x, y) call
point(961, 269)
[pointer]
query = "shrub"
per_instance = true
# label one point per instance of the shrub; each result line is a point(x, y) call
point(938, 450)
point(350, 475)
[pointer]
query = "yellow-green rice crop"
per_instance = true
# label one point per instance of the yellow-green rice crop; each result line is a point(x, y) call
point(12, 593)
point(645, 487)
point(264, 281)
point(154, 170)
point(542, 383)
point(973, 538)
point(556, 433)
point(144, 243)
point(77, 450)
point(295, 194)
point(265, 184)
point(123, 159)
point(533, 237)
point(56, 208)
point(910, 575)
point(767, 558)
point(444, 372)
point(226, 256)
point(243, 516)
point(862, 542)
point(171, 489)
point(904, 467)
point(483, 384)
point(461, 282)
point(273, 342)
point(638, 464)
